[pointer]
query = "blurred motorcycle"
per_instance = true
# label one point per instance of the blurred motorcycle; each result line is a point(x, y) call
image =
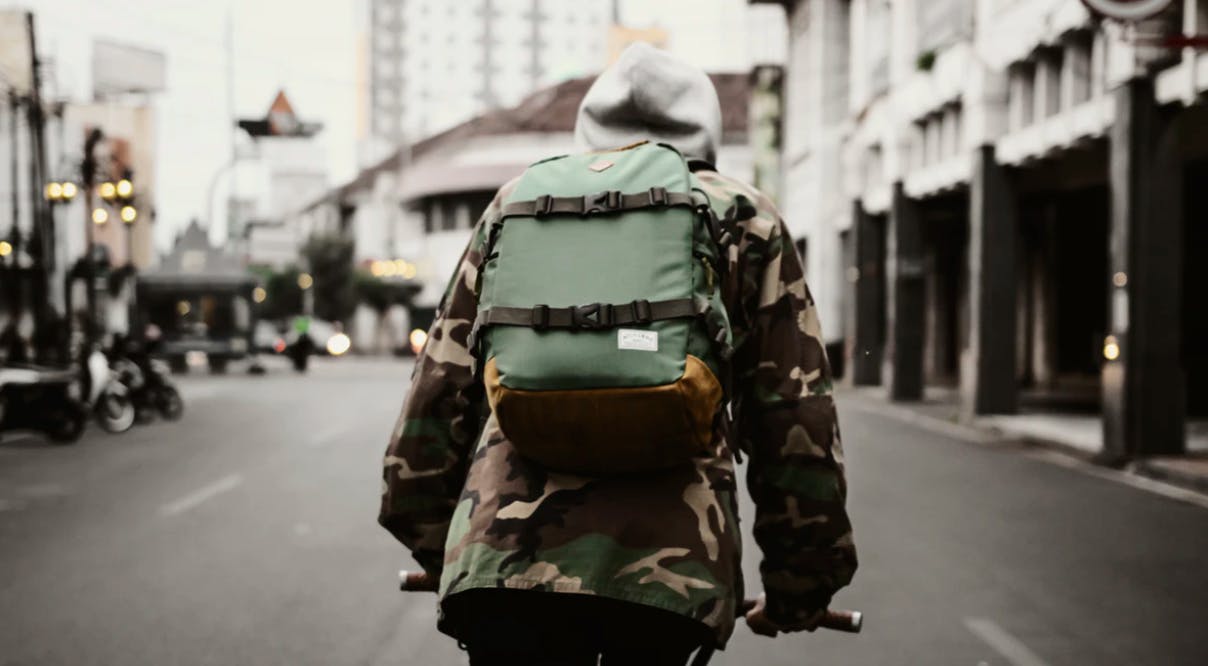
point(108, 397)
point(147, 381)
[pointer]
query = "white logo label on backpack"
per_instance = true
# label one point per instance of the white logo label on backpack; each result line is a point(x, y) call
point(630, 338)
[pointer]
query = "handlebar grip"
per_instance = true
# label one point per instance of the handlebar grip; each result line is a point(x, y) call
point(843, 620)
point(847, 621)
point(417, 581)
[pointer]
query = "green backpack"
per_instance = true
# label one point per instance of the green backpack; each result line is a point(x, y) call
point(601, 331)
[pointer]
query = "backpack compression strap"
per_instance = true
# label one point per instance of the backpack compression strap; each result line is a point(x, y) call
point(602, 202)
point(593, 316)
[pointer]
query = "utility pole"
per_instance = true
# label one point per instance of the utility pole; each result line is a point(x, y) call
point(88, 173)
point(42, 240)
point(231, 231)
point(14, 106)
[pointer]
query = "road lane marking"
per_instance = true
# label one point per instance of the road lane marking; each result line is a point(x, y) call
point(1006, 645)
point(194, 499)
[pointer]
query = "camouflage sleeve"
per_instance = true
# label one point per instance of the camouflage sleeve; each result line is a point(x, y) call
point(786, 420)
point(428, 454)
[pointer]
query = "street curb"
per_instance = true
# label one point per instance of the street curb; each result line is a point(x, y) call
point(1140, 473)
point(1148, 469)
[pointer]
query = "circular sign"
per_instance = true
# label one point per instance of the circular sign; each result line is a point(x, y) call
point(1127, 10)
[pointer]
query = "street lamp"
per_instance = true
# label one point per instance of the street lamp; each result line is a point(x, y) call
point(6, 248)
point(129, 214)
point(259, 294)
point(100, 216)
point(60, 192)
point(124, 188)
point(305, 281)
point(107, 191)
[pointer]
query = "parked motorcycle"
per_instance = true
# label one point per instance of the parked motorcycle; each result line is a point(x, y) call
point(41, 399)
point(108, 397)
point(147, 381)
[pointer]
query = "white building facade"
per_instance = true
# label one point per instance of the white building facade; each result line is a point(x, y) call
point(998, 196)
point(435, 63)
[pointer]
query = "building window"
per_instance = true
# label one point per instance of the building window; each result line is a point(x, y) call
point(1077, 70)
point(1048, 82)
point(1021, 104)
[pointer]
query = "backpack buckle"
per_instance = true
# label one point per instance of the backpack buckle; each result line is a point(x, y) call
point(593, 316)
point(540, 317)
point(602, 202)
point(544, 204)
point(641, 311)
point(658, 196)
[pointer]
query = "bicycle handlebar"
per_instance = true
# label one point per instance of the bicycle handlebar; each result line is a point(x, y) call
point(837, 620)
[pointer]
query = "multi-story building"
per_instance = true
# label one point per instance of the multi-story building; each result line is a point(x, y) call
point(435, 63)
point(1002, 196)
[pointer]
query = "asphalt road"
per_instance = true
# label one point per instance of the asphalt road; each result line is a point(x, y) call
point(245, 534)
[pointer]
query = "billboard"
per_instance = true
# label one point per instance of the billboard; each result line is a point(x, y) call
point(16, 64)
point(121, 68)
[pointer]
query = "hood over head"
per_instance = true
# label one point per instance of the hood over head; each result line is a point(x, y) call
point(648, 94)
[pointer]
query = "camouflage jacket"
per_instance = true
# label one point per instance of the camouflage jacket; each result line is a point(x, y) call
point(469, 508)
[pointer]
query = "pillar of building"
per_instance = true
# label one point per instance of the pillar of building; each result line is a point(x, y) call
point(869, 298)
point(907, 319)
point(988, 381)
point(1143, 384)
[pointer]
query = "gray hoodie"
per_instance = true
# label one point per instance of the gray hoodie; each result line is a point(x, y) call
point(648, 94)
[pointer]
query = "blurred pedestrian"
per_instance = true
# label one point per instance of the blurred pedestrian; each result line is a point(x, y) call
point(543, 566)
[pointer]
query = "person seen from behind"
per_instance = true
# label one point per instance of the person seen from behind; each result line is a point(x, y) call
point(571, 540)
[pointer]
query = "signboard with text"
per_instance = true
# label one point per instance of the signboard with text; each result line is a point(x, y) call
point(1127, 10)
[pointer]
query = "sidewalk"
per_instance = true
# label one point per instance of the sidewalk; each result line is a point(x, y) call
point(1075, 434)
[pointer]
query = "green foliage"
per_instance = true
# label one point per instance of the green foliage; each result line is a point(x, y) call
point(330, 259)
point(283, 296)
point(380, 294)
point(925, 61)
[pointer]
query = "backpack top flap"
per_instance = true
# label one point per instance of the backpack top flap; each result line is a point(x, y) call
point(602, 241)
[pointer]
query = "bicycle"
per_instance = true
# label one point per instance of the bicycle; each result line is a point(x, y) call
point(847, 621)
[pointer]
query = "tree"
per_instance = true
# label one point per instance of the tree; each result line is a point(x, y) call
point(330, 259)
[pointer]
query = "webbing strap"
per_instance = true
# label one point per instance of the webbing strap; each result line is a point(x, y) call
point(602, 202)
point(593, 316)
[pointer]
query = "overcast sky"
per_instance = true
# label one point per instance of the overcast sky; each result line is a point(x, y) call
point(306, 47)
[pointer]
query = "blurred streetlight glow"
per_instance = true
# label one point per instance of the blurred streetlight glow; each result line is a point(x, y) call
point(408, 270)
point(6, 248)
point(377, 269)
point(107, 190)
point(100, 215)
point(124, 188)
point(259, 294)
point(305, 281)
point(183, 308)
point(54, 191)
point(418, 337)
point(69, 191)
point(1120, 279)
point(1111, 348)
point(338, 344)
point(129, 214)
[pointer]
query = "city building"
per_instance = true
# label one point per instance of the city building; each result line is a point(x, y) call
point(433, 64)
point(1002, 197)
